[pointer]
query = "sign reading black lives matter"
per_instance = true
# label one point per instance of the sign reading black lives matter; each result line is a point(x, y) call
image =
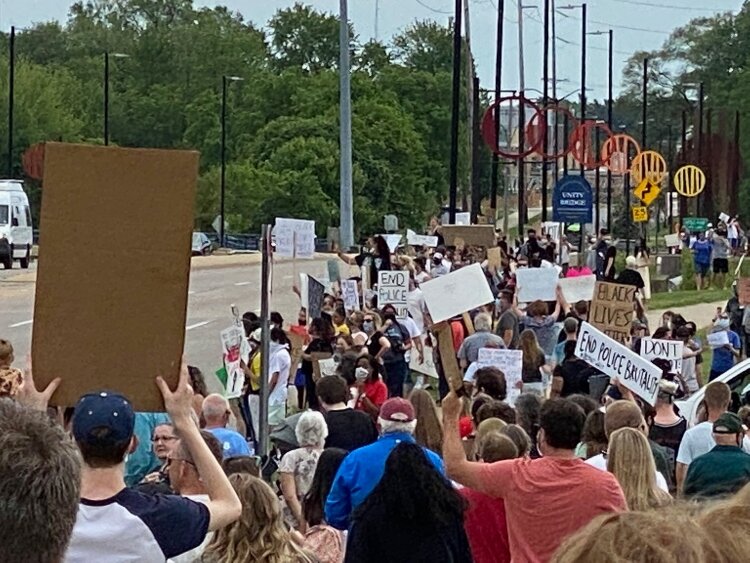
point(617, 361)
point(612, 309)
point(393, 285)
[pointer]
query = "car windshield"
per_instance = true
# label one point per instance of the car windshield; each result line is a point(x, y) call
point(197, 239)
point(4, 210)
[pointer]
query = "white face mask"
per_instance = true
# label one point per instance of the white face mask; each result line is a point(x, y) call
point(361, 374)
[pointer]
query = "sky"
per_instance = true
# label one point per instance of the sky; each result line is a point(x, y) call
point(637, 25)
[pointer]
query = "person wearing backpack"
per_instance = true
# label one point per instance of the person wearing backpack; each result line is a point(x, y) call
point(394, 360)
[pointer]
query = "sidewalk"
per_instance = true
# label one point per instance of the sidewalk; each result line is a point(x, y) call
point(701, 314)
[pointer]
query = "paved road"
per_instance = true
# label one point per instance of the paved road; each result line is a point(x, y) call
point(215, 283)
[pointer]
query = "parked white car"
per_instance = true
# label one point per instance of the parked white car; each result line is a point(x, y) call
point(16, 230)
point(737, 378)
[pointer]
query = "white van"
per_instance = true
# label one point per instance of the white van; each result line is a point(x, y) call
point(16, 230)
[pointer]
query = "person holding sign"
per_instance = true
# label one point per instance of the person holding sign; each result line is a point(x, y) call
point(537, 319)
point(726, 345)
point(375, 256)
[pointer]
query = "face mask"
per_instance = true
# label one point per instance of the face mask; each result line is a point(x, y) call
point(368, 326)
point(361, 374)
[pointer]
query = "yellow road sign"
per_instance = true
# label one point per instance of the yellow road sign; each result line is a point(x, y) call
point(640, 214)
point(647, 191)
point(689, 181)
point(649, 165)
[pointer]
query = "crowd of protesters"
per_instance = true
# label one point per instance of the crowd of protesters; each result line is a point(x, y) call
point(568, 466)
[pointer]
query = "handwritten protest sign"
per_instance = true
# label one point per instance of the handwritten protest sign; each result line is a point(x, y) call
point(473, 235)
point(536, 283)
point(617, 361)
point(414, 239)
point(323, 365)
point(718, 339)
point(350, 294)
point(231, 345)
point(428, 366)
point(743, 291)
point(671, 350)
point(456, 293)
point(393, 285)
point(294, 238)
point(612, 309)
point(315, 292)
point(579, 288)
point(510, 362)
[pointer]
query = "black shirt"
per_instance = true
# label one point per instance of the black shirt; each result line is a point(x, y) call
point(349, 429)
point(631, 277)
point(316, 345)
point(575, 376)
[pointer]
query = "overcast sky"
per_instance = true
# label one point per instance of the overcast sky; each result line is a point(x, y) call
point(638, 25)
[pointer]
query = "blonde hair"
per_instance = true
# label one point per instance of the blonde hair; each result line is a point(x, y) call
point(260, 533)
point(429, 430)
point(530, 347)
point(629, 458)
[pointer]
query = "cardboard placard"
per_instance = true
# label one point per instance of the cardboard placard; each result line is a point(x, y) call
point(537, 283)
point(315, 292)
point(615, 360)
point(743, 291)
point(612, 309)
point(473, 235)
point(579, 288)
point(114, 263)
point(671, 350)
point(428, 366)
point(510, 362)
point(455, 293)
point(414, 239)
point(463, 218)
point(718, 339)
point(672, 240)
point(393, 286)
point(448, 356)
point(297, 347)
point(294, 238)
point(323, 365)
point(350, 294)
point(494, 258)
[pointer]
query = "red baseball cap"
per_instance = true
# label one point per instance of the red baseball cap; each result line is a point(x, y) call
point(397, 410)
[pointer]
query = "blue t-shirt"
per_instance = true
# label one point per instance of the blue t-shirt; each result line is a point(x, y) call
point(232, 443)
point(143, 460)
point(702, 250)
point(724, 359)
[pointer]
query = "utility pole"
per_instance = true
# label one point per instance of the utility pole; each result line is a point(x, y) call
point(498, 87)
point(644, 136)
point(545, 101)
point(265, 331)
point(583, 88)
point(521, 72)
point(456, 90)
point(610, 105)
point(377, 17)
point(346, 226)
point(469, 107)
point(521, 127)
point(106, 98)
point(699, 143)
point(11, 96)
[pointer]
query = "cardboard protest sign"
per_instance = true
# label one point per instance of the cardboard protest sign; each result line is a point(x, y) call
point(612, 309)
point(323, 365)
point(718, 339)
point(463, 218)
point(671, 350)
point(723, 217)
point(743, 291)
point(315, 292)
point(473, 235)
point(393, 285)
point(295, 238)
point(579, 288)
point(111, 314)
point(536, 283)
point(510, 362)
point(297, 347)
point(414, 239)
point(350, 295)
point(392, 241)
point(231, 348)
point(672, 240)
point(448, 359)
point(494, 258)
point(615, 360)
point(428, 366)
point(456, 293)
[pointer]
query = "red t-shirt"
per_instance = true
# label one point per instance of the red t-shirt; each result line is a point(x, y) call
point(377, 392)
point(547, 500)
point(486, 527)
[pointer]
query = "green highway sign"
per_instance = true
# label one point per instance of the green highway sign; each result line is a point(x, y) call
point(695, 224)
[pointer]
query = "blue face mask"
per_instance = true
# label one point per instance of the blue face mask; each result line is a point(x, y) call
point(368, 326)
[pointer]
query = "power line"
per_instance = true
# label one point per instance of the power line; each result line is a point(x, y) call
point(435, 10)
point(617, 26)
point(670, 6)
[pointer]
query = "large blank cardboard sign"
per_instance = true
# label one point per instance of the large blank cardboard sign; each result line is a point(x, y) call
point(473, 235)
point(114, 264)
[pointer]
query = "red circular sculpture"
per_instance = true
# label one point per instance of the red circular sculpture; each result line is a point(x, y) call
point(535, 129)
point(492, 140)
point(581, 143)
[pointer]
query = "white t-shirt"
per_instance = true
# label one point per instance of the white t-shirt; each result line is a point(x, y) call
point(416, 306)
point(194, 554)
point(414, 333)
point(280, 362)
point(697, 441)
point(600, 462)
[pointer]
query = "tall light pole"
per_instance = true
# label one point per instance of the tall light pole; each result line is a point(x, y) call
point(107, 55)
point(456, 88)
point(11, 87)
point(225, 80)
point(582, 7)
point(346, 226)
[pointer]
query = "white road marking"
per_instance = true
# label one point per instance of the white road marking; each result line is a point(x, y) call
point(197, 325)
point(239, 284)
point(24, 323)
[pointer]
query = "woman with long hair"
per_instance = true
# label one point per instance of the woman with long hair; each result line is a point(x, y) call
point(321, 335)
point(629, 458)
point(429, 431)
point(534, 360)
point(371, 390)
point(259, 534)
point(423, 511)
point(322, 540)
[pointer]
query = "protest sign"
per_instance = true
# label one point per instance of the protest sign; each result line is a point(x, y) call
point(536, 283)
point(672, 240)
point(579, 288)
point(231, 347)
point(295, 238)
point(392, 241)
point(743, 291)
point(323, 365)
point(494, 258)
point(448, 359)
point(315, 292)
point(456, 293)
point(428, 366)
point(121, 298)
point(334, 273)
point(463, 218)
point(393, 285)
point(718, 339)
point(671, 350)
point(473, 235)
point(297, 346)
point(510, 362)
point(724, 218)
point(612, 309)
point(414, 239)
point(350, 295)
point(617, 361)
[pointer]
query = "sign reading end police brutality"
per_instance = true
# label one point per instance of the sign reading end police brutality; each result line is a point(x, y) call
point(393, 285)
point(615, 360)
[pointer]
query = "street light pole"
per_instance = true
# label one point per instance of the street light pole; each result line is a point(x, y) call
point(583, 86)
point(346, 213)
point(222, 204)
point(11, 88)
point(545, 101)
point(456, 87)
point(498, 86)
point(610, 105)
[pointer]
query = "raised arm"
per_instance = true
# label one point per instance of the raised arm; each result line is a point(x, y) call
point(458, 468)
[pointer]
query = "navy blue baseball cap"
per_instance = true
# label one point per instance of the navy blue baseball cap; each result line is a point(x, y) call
point(103, 418)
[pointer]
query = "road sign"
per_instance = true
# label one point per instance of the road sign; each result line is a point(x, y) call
point(640, 214)
point(649, 165)
point(647, 191)
point(689, 181)
point(695, 224)
point(572, 201)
